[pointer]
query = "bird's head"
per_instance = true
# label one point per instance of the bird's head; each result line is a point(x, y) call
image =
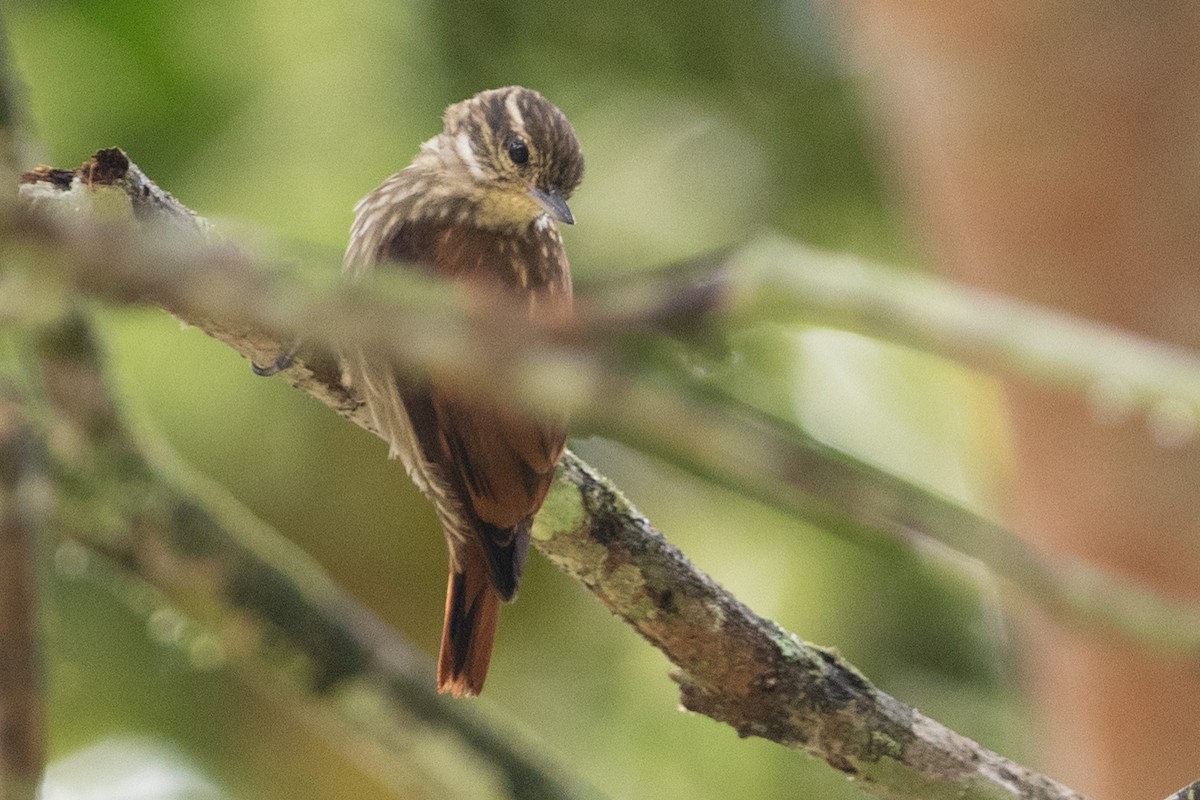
point(510, 154)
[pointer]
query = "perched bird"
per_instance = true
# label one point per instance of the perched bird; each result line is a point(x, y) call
point(478, 205)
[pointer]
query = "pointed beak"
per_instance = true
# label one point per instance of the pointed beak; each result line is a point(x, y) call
point(554, 204)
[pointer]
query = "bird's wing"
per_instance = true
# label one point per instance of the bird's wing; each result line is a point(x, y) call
point(505, 460)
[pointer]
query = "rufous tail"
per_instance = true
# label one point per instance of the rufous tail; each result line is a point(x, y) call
point(472, 611)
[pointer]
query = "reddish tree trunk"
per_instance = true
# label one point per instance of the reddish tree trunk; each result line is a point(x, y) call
point(1052, 151)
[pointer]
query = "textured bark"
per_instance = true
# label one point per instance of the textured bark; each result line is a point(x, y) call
point(749, 673)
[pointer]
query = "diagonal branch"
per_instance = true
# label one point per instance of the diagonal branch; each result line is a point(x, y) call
point(734, 666)
point(741, 669)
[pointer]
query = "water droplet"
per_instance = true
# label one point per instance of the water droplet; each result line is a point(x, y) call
point(1111, 401)
point(1172, 422)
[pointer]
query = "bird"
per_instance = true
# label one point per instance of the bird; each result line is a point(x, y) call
point(478, 206)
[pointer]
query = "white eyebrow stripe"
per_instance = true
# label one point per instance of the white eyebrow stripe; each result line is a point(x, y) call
point(462, 145)
point(514, 113)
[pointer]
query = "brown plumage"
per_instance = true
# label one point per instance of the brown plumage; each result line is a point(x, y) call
point(478, 206)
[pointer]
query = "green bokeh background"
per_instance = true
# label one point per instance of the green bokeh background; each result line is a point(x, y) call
point(702, 123)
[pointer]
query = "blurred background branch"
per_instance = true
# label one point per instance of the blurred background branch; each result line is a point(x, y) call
point(777, 280)
point(1123, 373)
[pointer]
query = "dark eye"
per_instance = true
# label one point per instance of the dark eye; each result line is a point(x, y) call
point(518, 151)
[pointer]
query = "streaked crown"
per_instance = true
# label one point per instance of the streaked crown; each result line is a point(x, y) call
point(515, 135)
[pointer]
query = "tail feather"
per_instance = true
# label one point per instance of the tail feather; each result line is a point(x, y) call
point(505, 562)
point(472, 611)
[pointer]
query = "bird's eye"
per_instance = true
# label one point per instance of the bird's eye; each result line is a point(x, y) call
point(518, 151)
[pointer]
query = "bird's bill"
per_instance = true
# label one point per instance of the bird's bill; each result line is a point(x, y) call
point(554, 204)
